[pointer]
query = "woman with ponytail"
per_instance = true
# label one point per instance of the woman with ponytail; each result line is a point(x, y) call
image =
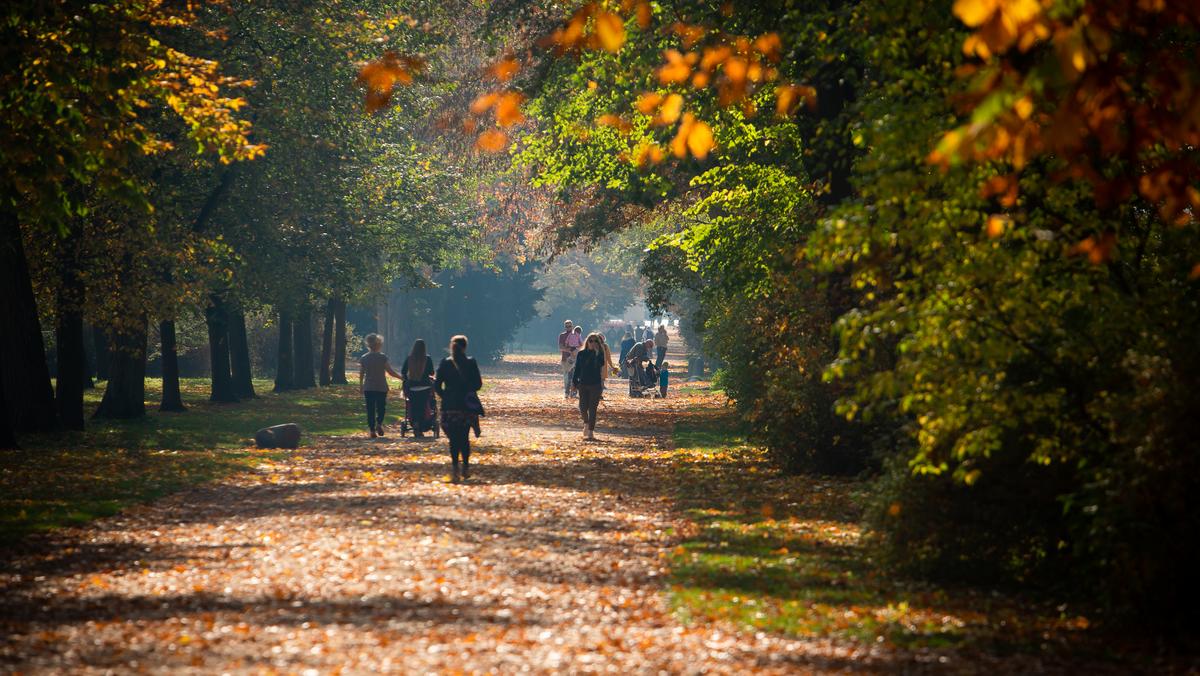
point(456, 383)
point(418, 389)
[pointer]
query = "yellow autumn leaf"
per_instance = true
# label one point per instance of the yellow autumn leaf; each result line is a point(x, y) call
point(996, 225)
point(675, 70)
point(974, 12)
point(648, 102)
point(671, 108)
point(611, 31)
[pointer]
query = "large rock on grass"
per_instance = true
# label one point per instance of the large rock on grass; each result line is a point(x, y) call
point(286, 435)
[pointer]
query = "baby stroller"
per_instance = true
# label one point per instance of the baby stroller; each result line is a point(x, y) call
point(430, 414)
point(648, 385)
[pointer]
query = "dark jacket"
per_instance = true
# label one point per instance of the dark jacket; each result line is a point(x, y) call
point(453, 382)
point(589, 366)
point(426, 374)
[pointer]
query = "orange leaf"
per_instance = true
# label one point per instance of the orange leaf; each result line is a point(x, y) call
point(1195, 273)
point(484, 102)
point(611, 31)
point(769, 45)
point(648, 102)
point(996, 225)
point(508, 109)
point(648, 154)
point(492, 141)
point(643, 14)
point(505, 69)
point(676, 69)
point(700, 140)
point(669, 112)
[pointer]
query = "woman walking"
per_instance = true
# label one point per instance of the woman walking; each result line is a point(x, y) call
point(660, 344)
point(417, 381)
point(590, 365)
point(456, 382)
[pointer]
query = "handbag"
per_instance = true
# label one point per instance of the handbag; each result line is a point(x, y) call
point(472, 403)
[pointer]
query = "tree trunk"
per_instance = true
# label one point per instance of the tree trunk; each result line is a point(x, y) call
point(101, 351)
point(239, 353)
point(68, 395)
point(89, 360)
point(216, 315)
point(68, 334)
point(283, 367)
point(339, 342)
point(125, 394)
point(29, 399)
point(302, 355)
point(326, 345)
point(172, 398)
point(8, 440)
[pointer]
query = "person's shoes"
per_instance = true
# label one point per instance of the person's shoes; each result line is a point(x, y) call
point(589, 434)
point(380, 430)
point(373, 435)
point(454, 474)
point(466, 471)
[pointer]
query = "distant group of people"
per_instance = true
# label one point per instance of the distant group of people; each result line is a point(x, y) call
point(456, 382)
point(587, 364)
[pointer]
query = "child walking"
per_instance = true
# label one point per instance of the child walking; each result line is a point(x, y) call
point(373, 370)
point(663, 376)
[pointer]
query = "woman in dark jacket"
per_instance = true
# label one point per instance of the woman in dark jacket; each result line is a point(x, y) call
point(590, 365)
point(417, 377)
point(456, 382)
point(626, 345)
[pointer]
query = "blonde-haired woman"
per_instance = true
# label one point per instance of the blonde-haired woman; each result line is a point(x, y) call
point(591, 364)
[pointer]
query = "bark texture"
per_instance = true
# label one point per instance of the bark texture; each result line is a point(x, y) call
point(338, 376)
point(125, 394)
point(239, 354)
point(172, 398)
point(29, 397)
point(216, 316)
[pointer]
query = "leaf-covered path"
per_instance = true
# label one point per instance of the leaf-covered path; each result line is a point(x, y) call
point(359, 555)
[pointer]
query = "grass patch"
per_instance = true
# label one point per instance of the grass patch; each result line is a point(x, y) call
point(73, 477)
point(787, 554)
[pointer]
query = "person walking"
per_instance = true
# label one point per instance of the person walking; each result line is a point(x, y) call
point(373, 370)
point(568, 345)
point(456, 382)
point(636, 360)
point(417, 379)
point(626, 345)
point(590, 366)
point(660, 344)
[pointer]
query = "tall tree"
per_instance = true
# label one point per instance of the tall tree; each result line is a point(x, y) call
point(303, 353)
point(30, 400)
point(284, 369)
point(172, 398)
point(239, 352)
point(339, 341)
point(326, 345)
point(217, 319)
point(125, 394)
point(68, 334)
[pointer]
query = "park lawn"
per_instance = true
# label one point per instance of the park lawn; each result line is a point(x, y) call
point(788, 555)
point(73, 477)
